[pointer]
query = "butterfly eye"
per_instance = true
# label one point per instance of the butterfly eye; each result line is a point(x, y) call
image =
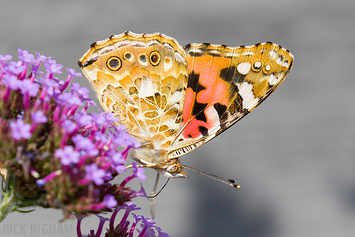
point(154, 58)
point(114, 63)
point(127, 56)
point(143, 58)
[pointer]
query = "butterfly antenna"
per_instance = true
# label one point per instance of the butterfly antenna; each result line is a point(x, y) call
point(230, 182)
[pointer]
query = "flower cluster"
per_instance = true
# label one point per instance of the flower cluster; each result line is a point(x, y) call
point(149, 228)
point(52, 152)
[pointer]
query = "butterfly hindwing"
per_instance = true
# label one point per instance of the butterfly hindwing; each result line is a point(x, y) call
point(224, 85)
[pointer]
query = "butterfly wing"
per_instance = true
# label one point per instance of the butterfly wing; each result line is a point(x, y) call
point(142, 79)
point(224, 85)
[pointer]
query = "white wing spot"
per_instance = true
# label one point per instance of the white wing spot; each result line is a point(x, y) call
point(243, 68)
point(179, 58)
point(175, 98)
point(268, 67)
point(279, 60)
point(104, 50)
point(272, 79)
point(153, 43)
point(245, 91)
point(195, 50)
point(257, 65)
point(167, 63)
point(215, 51)
point(228, 54)
point(212, 115)
point(196, 45)
point(146, 88)
point(168, 47)
point(273, 54)
point(248, 53)
point(137, 44)
point(121, 44)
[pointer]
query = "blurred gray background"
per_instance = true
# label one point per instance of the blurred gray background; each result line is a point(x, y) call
point(294, 156)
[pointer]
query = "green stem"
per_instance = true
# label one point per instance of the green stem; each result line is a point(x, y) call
point(8, 201)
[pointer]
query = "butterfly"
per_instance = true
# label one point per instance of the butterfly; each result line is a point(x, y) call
point(174, 99)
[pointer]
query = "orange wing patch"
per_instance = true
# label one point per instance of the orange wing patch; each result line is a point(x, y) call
point(204, 89)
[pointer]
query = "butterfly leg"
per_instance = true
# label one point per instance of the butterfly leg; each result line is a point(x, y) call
point(152, 195)
point(149, 166)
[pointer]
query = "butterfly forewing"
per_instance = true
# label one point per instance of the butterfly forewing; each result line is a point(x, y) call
point(225, 84)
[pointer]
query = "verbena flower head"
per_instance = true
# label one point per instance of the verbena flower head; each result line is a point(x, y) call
point(52, 152)
point(144, 227)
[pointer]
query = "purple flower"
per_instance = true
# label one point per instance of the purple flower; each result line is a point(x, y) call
point(118, 161)
point(110, 201)
point(122, 138)
point(85, 144)
point(83, 118)
point(147, 225)
point(120, 168)
point(35, 71)
point(42, 58)
point(67, 155)
point(138, 172)
point(52, 67)
point(11, 81)
point(108, 176)
point(41, 182)
point(14, 67)
point(104, 119)
point(5, 58)
point(95, 174)
point(52, 91)
point(89, 103)
point(117, 158)
point(72, 73)
point(69, 126)
point(38, 117)
point(82, 92)
point(101, 137)
point(20, 129)
point(72, 156)
point(68, 99)
point(26, 57)
point(26, 86)
point(149, 228)
point(49, 82)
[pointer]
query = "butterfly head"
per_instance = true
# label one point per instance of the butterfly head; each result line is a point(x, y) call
point(174, 169)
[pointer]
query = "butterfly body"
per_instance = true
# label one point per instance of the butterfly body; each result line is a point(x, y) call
point(175, 99)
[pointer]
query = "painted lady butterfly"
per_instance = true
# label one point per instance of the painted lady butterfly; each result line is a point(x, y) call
point(175, 99)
